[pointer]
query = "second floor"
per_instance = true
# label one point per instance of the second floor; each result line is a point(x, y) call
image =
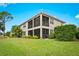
point(42, 20)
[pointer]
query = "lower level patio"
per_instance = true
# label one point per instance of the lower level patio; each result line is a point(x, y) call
point(37, 32)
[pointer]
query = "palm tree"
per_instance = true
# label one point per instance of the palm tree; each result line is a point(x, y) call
point(4, 17)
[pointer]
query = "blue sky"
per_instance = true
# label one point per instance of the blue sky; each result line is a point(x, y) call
point(24, 11)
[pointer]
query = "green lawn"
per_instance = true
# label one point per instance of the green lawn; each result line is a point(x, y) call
point(38, 47)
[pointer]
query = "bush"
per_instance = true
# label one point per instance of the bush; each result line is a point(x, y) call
point(1, 37)
point(16, 31)
point(35, 37)
point(12, 35)
point(31, 37)
point(7, 34)
point(77, 35)
point(1, 33)
point(51, 36)
point(65, 32)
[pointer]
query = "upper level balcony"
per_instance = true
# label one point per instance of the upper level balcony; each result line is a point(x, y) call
point(45, 21)
point(36, 21)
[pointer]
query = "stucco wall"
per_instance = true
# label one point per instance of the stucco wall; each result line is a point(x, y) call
point(25, 29)
point(57, 23)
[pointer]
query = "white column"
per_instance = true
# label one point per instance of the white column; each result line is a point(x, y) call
point(49, 26)
point(33, 26)
point(40, 25)
point(33, 32)
point(27, 29)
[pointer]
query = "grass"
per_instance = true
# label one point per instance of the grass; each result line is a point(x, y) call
point(38, 47)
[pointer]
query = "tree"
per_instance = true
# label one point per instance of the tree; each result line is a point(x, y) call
point(65, 32)
point(77, 33)
point(7, 34)
point(16, 31)
point(4, 17)
point(1, 25)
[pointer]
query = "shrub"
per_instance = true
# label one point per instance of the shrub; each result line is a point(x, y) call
point(35, 37)
point(77, 35)
point(31, 37)
point(12, 35)
point(16, 31)
point(65, 32)
point(51, 36)
point(27, 36)
point(1, 37)
point(1, 33)
point(7, 34)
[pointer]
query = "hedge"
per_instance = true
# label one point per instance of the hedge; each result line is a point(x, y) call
point(65, 32)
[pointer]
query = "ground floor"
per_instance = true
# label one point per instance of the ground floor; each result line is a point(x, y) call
point(40, 32)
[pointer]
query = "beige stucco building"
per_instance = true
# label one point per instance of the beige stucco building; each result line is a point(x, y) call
point(40, 25)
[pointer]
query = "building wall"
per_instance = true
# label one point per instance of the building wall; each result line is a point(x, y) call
point(25, 29)
point(57, 23)
point(52, 24)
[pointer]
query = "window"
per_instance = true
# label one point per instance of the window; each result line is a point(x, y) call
point(37, 21)
point(52, 21)
point(45, 21)
point(30, 32)
point(37, 32)
point(30, 24)
point(24, 26)
point(45, 33)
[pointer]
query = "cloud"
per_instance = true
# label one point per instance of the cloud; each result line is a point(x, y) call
point(4, 4)
point(77, 16)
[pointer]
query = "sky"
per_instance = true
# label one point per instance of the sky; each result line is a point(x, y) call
point(67, 12)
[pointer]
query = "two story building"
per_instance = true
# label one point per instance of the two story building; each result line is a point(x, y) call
point(40, 25)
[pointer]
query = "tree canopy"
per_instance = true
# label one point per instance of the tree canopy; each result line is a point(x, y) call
point(16, 31)
point(4, 17)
